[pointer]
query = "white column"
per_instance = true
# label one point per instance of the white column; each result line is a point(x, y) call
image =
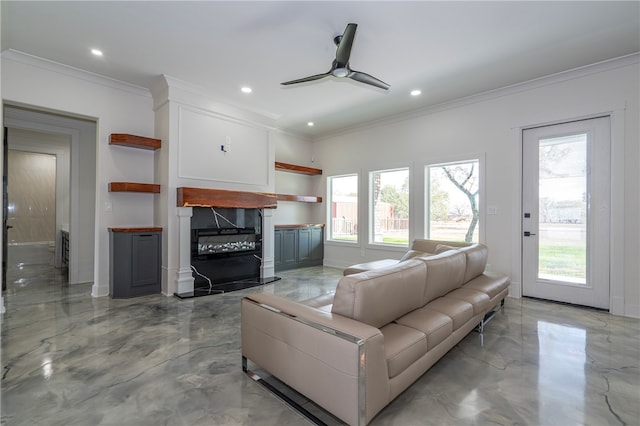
point(184, 279)
point(267, 268)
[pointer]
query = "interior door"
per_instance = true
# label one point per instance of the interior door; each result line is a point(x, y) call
point(5, 208)
point(566, 212)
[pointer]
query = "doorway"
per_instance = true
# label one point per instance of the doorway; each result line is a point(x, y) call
point(566, 212)
point(76, 174)
point(37, 171)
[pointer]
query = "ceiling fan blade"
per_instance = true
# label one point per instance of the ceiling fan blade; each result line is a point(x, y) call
point(368, 79)
point(305, 79)
point(343, 52)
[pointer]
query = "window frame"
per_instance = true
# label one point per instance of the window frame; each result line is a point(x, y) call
point(329, 226)
point(480, 158)
point(371, 210)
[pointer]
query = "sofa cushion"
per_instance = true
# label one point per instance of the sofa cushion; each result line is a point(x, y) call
point(490, 283)
point(435, 325)
point(478, 299)
point(380, 296)
point(429, 246)
point(369, 266)
point(458, 310)
point(324, 302)
point(476, 260)
point(402, 346)
point(413, 253)
point(441, 248)
point(445, 272)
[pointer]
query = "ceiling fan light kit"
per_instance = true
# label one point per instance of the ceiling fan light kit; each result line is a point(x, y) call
point(340, 66)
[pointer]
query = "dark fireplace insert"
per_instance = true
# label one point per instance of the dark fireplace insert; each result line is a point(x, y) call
point(226, 250)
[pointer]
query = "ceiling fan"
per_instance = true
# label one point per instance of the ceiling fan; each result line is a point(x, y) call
point(340, 66)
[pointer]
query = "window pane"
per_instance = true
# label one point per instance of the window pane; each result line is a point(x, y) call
point(343, 191)
point(563, 209)
point(390, 200)
point(453, 201)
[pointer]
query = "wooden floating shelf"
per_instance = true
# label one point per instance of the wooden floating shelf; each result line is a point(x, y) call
point(134, 229)
point(133, 141)
point(134, 187)
point(285, 167)
point(299, 225)
point(299, 198)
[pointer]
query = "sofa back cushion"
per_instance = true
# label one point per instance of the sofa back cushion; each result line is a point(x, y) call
point(380, 296)
point(476, 260)
point(429, 246)
point(445, 272)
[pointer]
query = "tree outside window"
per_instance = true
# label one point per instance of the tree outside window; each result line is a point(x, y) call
point(453, 201)
point(390, 207)
point(343, 202)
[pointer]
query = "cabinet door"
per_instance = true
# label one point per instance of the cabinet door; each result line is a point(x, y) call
point(145, 260)
point(289, 247)
point(317, 244)
point(304, 245)
point(277, 248)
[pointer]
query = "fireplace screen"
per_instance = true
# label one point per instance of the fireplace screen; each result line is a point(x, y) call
point(229, 243)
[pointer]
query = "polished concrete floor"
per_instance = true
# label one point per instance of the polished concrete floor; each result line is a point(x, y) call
point(70, 359)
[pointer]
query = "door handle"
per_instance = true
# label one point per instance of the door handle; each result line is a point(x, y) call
point(528, 234)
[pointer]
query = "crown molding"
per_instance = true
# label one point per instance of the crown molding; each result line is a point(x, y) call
point(575, 73)
point(57, 67)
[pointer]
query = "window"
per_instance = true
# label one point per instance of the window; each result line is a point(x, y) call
point(452, 201)
point(343, 205)
point(389, 207)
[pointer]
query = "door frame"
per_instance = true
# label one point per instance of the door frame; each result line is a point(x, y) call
point(595, 290)
point(52, 124)
point(616, 217)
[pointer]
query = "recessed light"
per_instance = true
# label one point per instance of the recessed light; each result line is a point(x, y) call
point(416, 92)
point(96, 52)
point(246, 89)
point(310, 124)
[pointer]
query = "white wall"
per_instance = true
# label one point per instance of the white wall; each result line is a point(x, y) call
point(116, 108)
point(295, 150)
point(490, 125)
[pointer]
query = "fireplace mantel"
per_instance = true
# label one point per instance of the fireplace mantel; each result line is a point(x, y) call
point(207, 197)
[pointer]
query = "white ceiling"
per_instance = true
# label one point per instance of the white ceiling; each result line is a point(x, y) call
point(449, 50)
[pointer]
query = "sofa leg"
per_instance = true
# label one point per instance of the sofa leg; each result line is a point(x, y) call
point(280, 395)
point(488, 317)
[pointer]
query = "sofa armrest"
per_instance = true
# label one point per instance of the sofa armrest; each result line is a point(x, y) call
point(337, 362)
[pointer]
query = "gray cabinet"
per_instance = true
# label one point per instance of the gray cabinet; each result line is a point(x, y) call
point(298, 246)
point(135, 261)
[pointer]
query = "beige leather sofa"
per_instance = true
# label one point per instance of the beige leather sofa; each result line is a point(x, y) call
point(354, 351)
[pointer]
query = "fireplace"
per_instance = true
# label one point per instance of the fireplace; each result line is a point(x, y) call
point(226, 249)
point(222, 246)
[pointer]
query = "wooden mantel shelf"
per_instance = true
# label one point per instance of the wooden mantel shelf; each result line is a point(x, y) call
point(207, 197)
point(299, 198)
point(133, 141)
point(285, 167)
point(134, 187)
